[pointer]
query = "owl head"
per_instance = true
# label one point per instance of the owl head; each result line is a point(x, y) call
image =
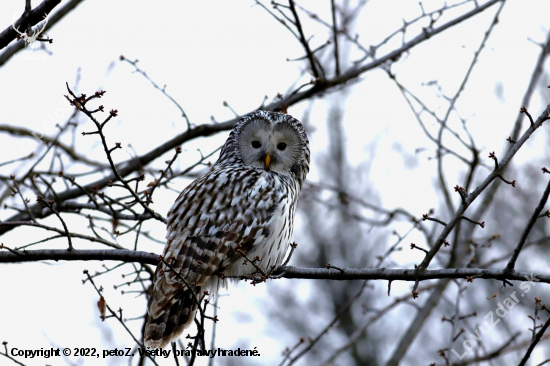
point(275, 142)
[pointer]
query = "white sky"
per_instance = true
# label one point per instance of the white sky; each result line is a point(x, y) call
point(210, 52)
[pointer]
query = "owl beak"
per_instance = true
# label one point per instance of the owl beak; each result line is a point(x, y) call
point(267, 160)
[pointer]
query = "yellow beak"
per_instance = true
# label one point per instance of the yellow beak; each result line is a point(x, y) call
point(267, 161)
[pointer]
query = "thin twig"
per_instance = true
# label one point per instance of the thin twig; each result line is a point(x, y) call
point(312, 61)
point(335, 38)
point(534, 343)
point(162, 90)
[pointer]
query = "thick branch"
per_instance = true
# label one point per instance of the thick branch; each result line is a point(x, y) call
point(126, 255)
point(32, 18)
point(55, 18)
point(123, 255)
point(404, 274)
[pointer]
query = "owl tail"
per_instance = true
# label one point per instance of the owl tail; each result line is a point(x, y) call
point(170, 323)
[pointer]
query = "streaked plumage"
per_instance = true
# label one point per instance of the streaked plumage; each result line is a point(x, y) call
point(247, 198)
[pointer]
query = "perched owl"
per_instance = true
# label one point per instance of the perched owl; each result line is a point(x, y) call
point(248, 198)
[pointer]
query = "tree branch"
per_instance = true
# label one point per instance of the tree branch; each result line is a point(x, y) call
point(126, 255)
point(321, 87)
point(55, 18)
point(528, 227)
point(304, 41)
point(534, 343)
point(476, 192)
point(123, 255)
point(21, 131)
point(27, 20)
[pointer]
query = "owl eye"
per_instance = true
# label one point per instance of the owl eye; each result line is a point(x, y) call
point(281, 146)
point(256, 144)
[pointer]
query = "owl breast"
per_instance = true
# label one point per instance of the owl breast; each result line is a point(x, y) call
point(228, 207)
point(271, 241)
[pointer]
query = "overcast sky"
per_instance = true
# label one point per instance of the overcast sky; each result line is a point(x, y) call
point(210, 52)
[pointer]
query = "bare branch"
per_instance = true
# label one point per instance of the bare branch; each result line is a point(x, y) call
point(511, 264)
point(534, 343)
point(21, 131)
point(52, 20)
point(474, 194)
point(335, 38)
point(28, 19)
point(126, 255)
point(303, 40)
point(162, 90)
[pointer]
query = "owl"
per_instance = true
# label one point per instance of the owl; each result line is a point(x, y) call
point(247, 199)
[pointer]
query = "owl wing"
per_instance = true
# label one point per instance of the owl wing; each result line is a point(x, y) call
point(223, 208)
